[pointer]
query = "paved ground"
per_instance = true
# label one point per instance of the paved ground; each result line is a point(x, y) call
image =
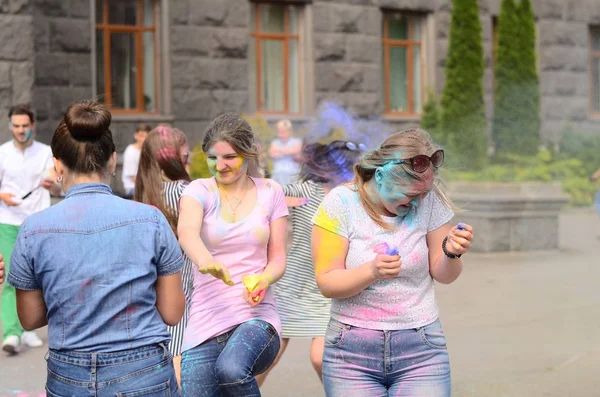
point(518, 325)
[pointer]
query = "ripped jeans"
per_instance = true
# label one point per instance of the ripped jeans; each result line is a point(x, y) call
point(225, 366)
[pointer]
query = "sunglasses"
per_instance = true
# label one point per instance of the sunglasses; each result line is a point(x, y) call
point(421, 162)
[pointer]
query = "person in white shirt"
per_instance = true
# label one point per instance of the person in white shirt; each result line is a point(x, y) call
point(285, 152)
point(26, 180)
point(131, 159)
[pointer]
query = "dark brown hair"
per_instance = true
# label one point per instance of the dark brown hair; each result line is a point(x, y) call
point(329, 163)
point(144, 127)
point(22, 109)
point(232, 128)
point(161, 155)
point(82, 140)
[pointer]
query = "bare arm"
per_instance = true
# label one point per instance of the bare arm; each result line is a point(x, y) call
point(596, 175)
point(276, 257)
point(31, 309)
point(170, 300)
point(275, 151)
point(191, 215)
point(443, 269)
point(334, 280)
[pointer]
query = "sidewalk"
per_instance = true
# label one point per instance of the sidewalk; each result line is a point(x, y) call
point(513, 324)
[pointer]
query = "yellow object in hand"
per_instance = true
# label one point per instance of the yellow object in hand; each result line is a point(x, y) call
point(250, 281)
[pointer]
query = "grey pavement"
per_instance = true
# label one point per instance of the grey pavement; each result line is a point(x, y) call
point(517, 325)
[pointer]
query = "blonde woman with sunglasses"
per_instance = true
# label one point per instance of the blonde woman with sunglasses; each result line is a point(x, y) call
point(379, 243)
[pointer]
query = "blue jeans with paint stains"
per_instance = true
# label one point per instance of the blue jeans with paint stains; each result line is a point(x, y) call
point(361, 362)
point(227, 364)
point(142, 372)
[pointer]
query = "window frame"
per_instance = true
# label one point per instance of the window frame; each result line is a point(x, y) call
point(593, 55)
point(106, 29)
point(258, 36)
point(408, 44)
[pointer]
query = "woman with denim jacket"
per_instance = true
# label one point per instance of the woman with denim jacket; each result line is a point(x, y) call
point(379, 243)
point(233, 227)
point(101, 271)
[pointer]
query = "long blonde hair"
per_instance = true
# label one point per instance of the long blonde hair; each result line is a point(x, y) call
point(398, 146)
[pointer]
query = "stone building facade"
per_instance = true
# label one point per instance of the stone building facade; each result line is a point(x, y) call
point(205, 59)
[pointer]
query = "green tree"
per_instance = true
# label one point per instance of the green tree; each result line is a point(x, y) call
point(516, 92)
point(463, 120)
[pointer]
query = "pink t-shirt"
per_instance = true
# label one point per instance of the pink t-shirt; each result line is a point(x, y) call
point(242, 246)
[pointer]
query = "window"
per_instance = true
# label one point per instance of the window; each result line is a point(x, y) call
point(595, 69)
point(275, 51)
point(126, 68)
point(404, 66)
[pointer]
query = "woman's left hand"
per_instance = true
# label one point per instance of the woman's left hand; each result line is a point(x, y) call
point(256, 288)
point(459, 239)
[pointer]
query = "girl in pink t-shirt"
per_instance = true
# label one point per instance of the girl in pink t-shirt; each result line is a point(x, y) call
point(234, 227)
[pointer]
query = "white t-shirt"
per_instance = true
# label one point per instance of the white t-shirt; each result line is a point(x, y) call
point(286, 168)
point(131, 161)
point(21, 173)
point(405, 302)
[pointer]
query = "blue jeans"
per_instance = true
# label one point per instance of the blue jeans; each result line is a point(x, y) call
point(362, 362)
point(227, 364)
point(142, 372)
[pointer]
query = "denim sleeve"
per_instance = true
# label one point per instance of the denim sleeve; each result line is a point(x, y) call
point(22, 274)
point(169, 256)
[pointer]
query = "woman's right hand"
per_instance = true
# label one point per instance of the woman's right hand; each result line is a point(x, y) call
point(217, 270)
point(385, 267)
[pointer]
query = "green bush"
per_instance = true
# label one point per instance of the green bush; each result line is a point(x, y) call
point(585, 148)
point(463, 120)
point(543, 167)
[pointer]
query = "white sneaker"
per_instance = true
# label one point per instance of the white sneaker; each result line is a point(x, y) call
point(11, 344)
point(31, 339)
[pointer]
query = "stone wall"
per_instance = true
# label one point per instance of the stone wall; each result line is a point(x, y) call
point(62, 60)
point(209, 47)
point(16, 58)
point(45, 58)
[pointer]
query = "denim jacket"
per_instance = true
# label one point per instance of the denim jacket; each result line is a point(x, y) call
point(96, 258)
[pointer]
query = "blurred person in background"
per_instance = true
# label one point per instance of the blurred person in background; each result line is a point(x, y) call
point(161, 179)
point(26, 181)
point(104, 273)
point(285, 153)
point(304, 311)
point(131, 159)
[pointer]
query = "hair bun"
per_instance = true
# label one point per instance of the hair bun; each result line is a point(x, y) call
point(87, 120)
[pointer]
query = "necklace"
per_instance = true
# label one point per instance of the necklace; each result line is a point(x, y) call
point(231, 207)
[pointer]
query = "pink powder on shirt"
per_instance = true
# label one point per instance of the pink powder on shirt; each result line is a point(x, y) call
point(242, 247)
